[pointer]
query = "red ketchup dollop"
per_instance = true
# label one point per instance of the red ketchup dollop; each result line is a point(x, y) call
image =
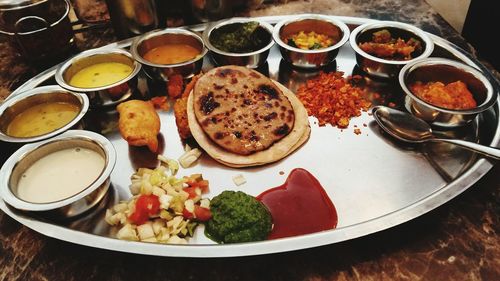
point(299, 206)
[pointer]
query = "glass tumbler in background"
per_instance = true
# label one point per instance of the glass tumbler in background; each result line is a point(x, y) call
point(132, 17)
point(210, 10)
point(40, 31)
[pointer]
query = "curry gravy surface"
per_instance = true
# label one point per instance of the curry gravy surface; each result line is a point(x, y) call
point(100, 74)
point(171, 54)
point(42, 119)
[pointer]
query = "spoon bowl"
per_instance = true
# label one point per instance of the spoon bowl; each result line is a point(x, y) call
point(401, 125)
point(409, 128)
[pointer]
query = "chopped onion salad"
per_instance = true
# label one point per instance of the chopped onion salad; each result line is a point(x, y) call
point(164, 208)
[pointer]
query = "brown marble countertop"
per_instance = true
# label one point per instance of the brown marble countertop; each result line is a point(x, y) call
point(457, 241)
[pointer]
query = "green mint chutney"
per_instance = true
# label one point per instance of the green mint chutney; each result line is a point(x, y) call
point(238, 217)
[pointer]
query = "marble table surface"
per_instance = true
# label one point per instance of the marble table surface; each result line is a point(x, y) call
point(457, 241)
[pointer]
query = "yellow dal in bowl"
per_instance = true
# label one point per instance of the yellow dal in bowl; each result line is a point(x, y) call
point(42, 119)
point(100, 74)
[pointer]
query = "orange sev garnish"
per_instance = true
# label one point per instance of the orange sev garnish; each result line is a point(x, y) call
point(332, 99)
point(455, 95)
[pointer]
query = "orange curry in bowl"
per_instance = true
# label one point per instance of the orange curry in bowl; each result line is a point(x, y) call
point(384, 46)
point(455, 95)
point(171, 54)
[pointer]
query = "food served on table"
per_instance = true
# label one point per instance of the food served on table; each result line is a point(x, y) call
point(446, 93)
point(242, 118)
point(299, 206)
point(41, 113)
point(171, 53)
point(189, 157)
point(164, 208)
point(175, 84)
point(240, 114)
point(240, 37)
point(383, 45)
point(237, 217)
point(332, 99)
point(108, 76)
point(59, 178)
point(454, 95)
point(60, 175)
point(42, 118)
point(139, 123)
point(310, 40)
point(167, 52)
point(239, 179)
point(100, 75)
point(180, 110)
point(160, 102)
point(181, 119)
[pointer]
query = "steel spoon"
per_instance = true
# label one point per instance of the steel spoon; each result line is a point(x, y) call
point(409, 128)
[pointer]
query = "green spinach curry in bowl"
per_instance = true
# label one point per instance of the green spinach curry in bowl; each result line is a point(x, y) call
point(239, 41)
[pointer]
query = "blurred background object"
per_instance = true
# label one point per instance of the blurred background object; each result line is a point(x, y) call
point(132, 17)
point(481, 17)
point(91, 11)
point(469, 17)
point(30, 26)
point(453, 14)
point(210, 10)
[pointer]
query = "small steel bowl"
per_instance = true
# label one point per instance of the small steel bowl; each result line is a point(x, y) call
point(15, 105)
point(75, 205)
point(154, 39)
point(384, 68)
point(310, 59)
point(107, 95)
point(445, 71)
point(251, 59)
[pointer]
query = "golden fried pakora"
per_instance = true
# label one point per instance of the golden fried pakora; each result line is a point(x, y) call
point(174, 86)
point(180, 110)
point(139, 123)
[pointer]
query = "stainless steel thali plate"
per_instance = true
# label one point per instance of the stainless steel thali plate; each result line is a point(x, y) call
point(374, 182)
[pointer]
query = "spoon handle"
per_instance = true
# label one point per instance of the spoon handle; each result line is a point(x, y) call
point(479, 148)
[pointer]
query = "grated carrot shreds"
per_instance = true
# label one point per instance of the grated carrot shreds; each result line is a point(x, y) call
point(332, 99)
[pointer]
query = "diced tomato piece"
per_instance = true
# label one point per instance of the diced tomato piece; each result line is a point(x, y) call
point(191, 190)
point(138, 217)
point(190, 182)
point(187, 214)
point(202, 214)
point(149, 203)
point(202, 184)
point(145, 206)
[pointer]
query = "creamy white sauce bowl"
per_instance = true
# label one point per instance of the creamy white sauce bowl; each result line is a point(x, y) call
point(67, 205)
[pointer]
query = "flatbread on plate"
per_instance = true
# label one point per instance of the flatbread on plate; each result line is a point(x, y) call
point(241, 110)
point(280, 149)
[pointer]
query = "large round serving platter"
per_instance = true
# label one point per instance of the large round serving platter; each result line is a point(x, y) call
point(374, 182)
